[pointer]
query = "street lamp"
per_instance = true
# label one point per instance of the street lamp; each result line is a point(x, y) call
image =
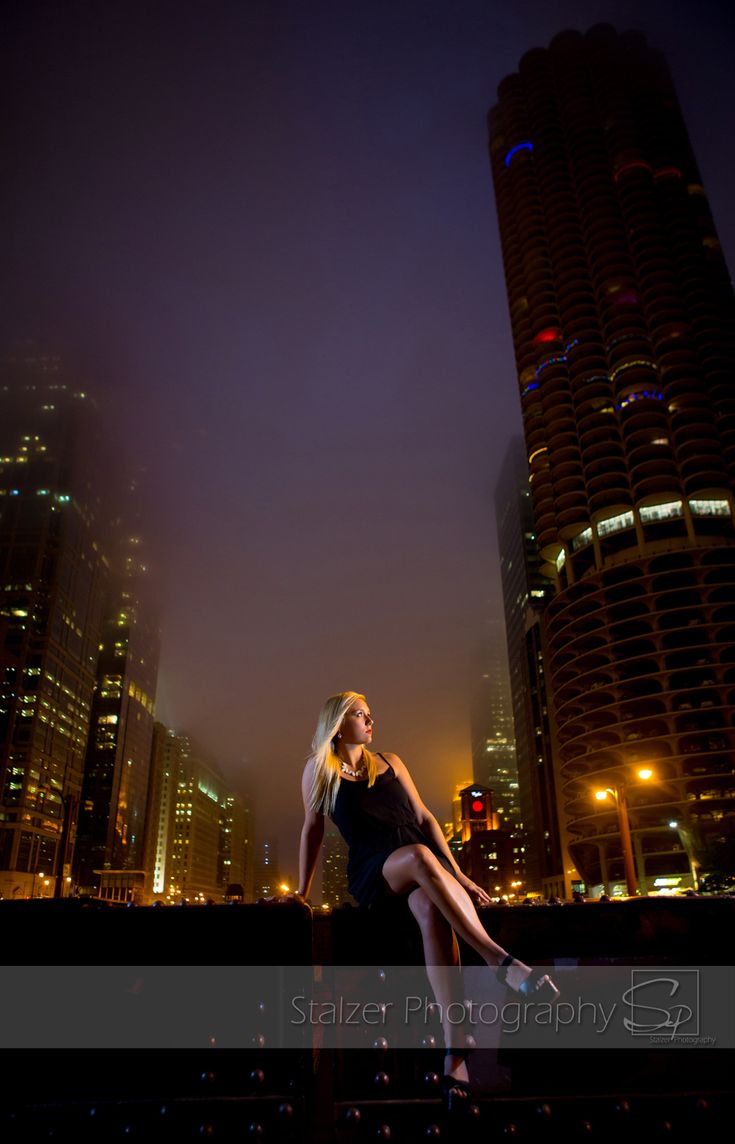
point(621, 803)
point(688, 845)
point(619, 794)
point(42, 876)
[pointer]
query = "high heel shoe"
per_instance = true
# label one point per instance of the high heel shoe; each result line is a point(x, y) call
point(457, 1094)
point(538, 986)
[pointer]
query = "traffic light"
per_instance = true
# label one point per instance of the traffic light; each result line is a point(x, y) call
point(478, 805)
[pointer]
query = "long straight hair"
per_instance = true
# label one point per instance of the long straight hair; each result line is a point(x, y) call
point(327, 766)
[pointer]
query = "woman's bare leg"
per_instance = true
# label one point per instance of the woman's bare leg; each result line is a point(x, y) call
point(441, 954)
point(414, 866)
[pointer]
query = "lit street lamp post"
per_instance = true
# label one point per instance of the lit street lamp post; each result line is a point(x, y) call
point(619, 793)
point(621, 803)
point(688, 846)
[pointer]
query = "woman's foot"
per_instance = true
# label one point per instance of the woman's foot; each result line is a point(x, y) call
point(531, 983)
point(456, 1080)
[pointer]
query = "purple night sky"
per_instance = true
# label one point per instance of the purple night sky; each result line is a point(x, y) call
point(264, 231)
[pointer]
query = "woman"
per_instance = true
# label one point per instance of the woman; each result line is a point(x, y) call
point(396, 847)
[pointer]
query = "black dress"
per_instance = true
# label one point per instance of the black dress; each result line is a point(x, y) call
point(374, 821)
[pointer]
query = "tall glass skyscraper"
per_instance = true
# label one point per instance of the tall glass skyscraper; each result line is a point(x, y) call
point(112, 812)
point(623, 319)
point(52, 581)
point(494, 763)
point(525, 594)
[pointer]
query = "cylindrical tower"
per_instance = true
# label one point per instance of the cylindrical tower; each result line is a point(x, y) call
point(623, 319)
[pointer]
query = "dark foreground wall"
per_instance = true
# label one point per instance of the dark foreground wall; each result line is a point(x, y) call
point(688, 931)
point(256, 1092)
point(673, 930)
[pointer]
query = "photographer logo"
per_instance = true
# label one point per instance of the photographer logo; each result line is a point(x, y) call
point(663, 1004)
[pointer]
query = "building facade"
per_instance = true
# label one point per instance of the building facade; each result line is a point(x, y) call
point(622, 314)
point(525, 594)
point(166, 749)
point(483, 846)
point(53, 576)
point(268, 874)
point(237, 849)
point(494, 760)
point(112, 812)
point(493, 738)
point(197, 826)
point(334, 868)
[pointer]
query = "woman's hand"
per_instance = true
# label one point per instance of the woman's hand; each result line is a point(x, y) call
point(478, 895)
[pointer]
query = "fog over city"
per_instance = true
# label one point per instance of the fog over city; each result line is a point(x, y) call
point(264, 235)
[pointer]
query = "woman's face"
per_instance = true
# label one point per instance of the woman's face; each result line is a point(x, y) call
point(357, 725)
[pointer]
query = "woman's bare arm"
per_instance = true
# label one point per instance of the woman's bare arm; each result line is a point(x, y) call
point(312, 833)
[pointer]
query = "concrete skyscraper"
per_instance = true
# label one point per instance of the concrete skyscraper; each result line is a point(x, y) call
point(197, 827)
point(623, 315)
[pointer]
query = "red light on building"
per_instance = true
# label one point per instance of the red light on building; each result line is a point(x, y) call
point(549, 335)
point(634, 165)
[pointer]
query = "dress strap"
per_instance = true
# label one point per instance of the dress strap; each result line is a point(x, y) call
point(382, 756)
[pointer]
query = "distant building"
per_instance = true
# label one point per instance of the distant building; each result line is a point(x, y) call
point(9, 672)
point(525, 594)
point(334, 869)
point(195, 858)
point(52, 580)
point(112, 812)
point(493, 741)
point(482, 848)
point(453, 829)
point(196, 824)
point(240, 850)
point(249, 859)
point(166, 750)
point(235, 826)
point(268, 876)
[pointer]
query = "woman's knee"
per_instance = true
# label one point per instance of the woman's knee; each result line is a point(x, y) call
point(405, 866)
point(422, 907)
point(420, 857)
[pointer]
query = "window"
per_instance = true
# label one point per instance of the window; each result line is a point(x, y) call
point(661, 511)
point(710, 507)
point(615, 523)
point(579, 541)
point(111, 687)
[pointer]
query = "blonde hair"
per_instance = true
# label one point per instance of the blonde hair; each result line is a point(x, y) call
point(327, 765)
